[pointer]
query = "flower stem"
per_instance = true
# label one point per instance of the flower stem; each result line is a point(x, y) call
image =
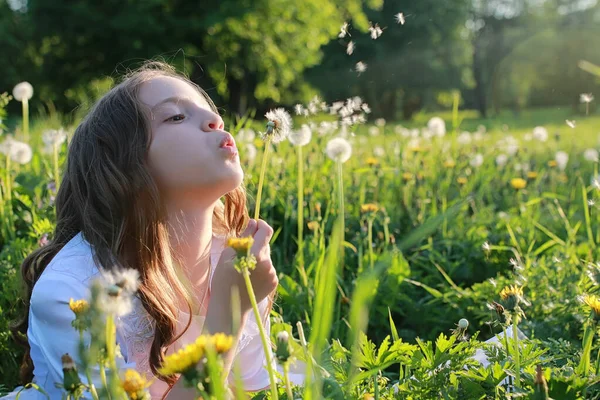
point(288, 386)
point(25, 103)
point(300, 210)
point(517, 354)
point(8, 185)
point(375, 386)
point(370, 243)
point(88, 375)
point(262, 176)
point(588, 339)
point(261, 328)
point(341, 213)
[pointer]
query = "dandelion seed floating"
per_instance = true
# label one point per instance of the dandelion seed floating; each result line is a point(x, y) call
point(360, 67)
point(344, 31)
point(571, 123)
point(350, 48)
point(586, 97)
point(375, 31)
point(400, 18)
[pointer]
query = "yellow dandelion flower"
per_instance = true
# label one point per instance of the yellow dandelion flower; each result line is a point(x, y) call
point(184, 359)
point(511, 291)
point(369, 208)
point(135, 385)
point(313, 225)
point(416, 149)
point(518, 183)
point(593, 302)
point(367, 396)
point(241, 245)
point(552, 163)
point(449, 164)
point(78, 306)
point(532, 174)
point(461, 180)
point(407, 176)
point(222, 342)
point(372, 161)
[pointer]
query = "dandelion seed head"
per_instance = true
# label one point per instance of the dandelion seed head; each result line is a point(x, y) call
point(437, 126)
point(591, 155)
point(279, 125)
point(476, 161)
point(23, 91)
point(339, 149)
point(300, 137)
point(586, 97)
point(540, 133)
point(561, 158)
point(250, 151)
point(54, 137)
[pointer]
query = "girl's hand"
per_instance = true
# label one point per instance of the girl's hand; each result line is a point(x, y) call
point(263, 277)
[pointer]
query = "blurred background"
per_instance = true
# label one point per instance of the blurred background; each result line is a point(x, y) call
point(500, 55)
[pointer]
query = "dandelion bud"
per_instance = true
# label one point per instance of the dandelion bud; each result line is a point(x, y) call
point(283, 347)
point(135, 385)
point(369, 208)
point(71, 381)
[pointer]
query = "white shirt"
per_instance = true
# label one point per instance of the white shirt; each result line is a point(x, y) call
point(50, 334)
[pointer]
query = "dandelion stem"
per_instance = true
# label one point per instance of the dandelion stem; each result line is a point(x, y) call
point(103, 379)
point(341, 213)
point(517, 355)
point(370, 242)
point(301, 213)
point(588, 339)
point(88, 375)
point(25, 104)
point(9, 210)
point(262, 176)
point(261, 328)
point(375, 386)
point(286, 377)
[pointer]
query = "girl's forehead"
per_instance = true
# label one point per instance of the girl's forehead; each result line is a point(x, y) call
point(166, 89)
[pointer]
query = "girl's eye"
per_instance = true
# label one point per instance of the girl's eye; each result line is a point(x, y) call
point(176, 118)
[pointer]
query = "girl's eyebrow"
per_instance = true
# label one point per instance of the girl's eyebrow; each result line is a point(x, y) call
point(173, 99)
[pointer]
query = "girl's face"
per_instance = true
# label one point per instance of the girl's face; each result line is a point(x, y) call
point(190, 153)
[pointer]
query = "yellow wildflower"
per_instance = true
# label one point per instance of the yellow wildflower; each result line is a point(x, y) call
point(594, 303)
point(372, 161)
point(135, 385)
point(185, 359)
point(222, 342)
point(407, 176)
point(512, 296)
point(368, 396)
point(552, 163)
point(518, 183)
point(461, 180)
point(78, 306)
point(532, 174)
point(241, 245)
point(369, 208)
point(449, 163)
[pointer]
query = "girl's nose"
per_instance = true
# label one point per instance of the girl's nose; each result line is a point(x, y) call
point(212, 123)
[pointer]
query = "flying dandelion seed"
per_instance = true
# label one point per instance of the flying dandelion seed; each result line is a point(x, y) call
point(360, 67)
point(400, 18)
point(344, 31)
point(350, 48)
point(570, 123)
point(375, 31)
point(298, 109)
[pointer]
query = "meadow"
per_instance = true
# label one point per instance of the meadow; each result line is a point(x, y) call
point(397, 260)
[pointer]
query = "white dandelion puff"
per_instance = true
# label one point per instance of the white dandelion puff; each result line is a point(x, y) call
point(464, 138)
point(18, 152)
point(562, 159)
point(54, 137)
point(23, 91)
point(586, 97)
point(570, 123)
point(400, 18)
point(360, 67)
point(250, 152)
point(350, 47)
point(278, 127)
point(378, 151)
point(339, 149)
point(501, 160)
point(591, 154)
point(380, 122)
point(373, 131)
point(246, 135)
point(116, 290)
point(437, 126)
point(300, 137)
point(540, 133)
point(476, 160)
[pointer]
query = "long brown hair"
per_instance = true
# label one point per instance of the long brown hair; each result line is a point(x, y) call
point(108, 194)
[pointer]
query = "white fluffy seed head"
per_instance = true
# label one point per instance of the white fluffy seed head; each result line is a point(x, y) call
point(281, 123)
point(301, 137)
point(23, 91)
point(339, 149)
point(437, 126)
point(17, 151)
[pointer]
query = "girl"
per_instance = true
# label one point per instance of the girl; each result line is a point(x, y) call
point(146, 173)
